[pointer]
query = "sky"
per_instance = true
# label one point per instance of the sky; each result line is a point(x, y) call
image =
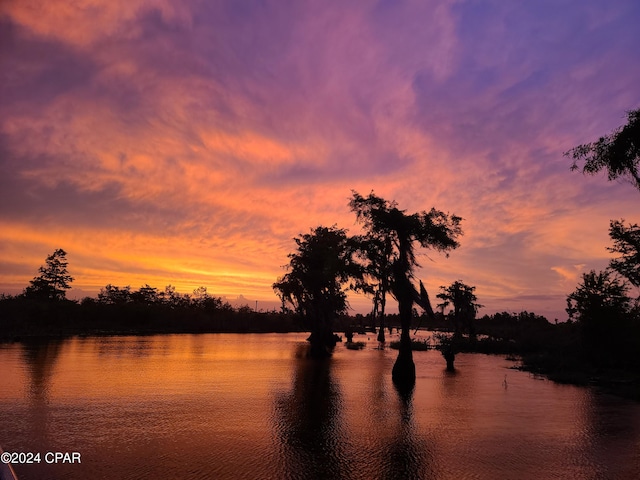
point(187, 143)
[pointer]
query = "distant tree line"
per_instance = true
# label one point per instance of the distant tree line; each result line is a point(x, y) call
point(43, 310)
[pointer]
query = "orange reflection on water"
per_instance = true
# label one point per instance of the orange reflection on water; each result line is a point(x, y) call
point(229, 406)
point(137, 368)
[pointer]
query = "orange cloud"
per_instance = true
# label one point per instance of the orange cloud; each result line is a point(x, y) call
point(82, 23)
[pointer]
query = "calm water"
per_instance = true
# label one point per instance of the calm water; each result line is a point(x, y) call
point(250, 406)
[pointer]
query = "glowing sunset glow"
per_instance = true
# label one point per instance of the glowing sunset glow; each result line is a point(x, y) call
point(186, 143)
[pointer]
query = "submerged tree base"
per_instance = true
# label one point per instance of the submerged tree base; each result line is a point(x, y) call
point(322, 344)
point(404, 371)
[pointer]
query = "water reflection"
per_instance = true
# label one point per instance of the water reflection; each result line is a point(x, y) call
point(607, 428)
point(240, 406)
point(407, 455)
point(135, 346)
point(308, 423)
point(322, 435)
point(40, 358)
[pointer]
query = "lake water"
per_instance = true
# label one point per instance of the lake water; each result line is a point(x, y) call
point(252, 406)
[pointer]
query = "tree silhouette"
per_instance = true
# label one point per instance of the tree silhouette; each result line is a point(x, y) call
point(114, 295)
point(618, 152)
point(601, 306)
point(433, 229)
point(54, 279)
point(318, 270)
point(463, 300)
point(146, 294)
point(377, 252)
point(626, 241)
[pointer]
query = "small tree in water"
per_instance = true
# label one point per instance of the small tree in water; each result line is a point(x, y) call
point(463, 300)
point(319, 269)
point(54, 279)
point(433, 229)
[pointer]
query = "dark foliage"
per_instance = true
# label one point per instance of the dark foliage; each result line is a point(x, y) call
point(601, 307)
point(618, 153)
point(464, 302)
point(626, 242)
point(119, 311)
point(54, 279)
point(319, 272)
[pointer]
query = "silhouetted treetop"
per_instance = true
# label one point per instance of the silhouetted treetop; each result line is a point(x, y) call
point(618, 152)
point(318, 272)
point(54, 279)
point(464, 302)
point(433, 229)
point(599, 292)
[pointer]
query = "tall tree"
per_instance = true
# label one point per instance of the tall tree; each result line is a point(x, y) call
point(618, 153)
point(54, 279)
point(435, 230)
point(318, 273)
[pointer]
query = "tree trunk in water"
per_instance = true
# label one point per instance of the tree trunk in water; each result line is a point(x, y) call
point(322, 339)
point(404, 370)
point(381, 337)
point(321, 344)
point(449, 356)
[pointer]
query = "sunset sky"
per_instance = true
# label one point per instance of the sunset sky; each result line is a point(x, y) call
point(187, 142)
